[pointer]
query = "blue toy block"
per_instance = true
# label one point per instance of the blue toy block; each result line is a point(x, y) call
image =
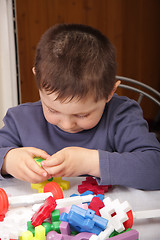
point(84, 220)
point(74, 195)
point(86, 193)
point(99, 221)
point(101, 196)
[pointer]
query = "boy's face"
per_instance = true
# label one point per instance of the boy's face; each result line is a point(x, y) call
point(72, 116)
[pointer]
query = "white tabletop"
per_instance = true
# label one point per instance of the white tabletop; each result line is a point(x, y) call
point(149, 229)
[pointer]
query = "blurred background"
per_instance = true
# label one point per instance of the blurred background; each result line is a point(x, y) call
point(131, 25)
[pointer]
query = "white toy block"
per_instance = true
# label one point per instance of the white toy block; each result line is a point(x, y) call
point(147, 214)
point(119, 209)
point(106, 233)
point(94, 237)
point(25, 200)
point(65, 202)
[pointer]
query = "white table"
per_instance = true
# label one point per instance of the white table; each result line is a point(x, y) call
point(149, 229)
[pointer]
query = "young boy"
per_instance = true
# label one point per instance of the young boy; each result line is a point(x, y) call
point(80, 126)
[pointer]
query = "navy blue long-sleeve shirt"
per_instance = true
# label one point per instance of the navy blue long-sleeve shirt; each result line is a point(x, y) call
point(129, 154)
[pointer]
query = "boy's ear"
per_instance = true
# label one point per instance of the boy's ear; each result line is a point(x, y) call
point(34, 71)
point(113, 90)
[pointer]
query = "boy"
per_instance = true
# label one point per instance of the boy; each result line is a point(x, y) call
point(80, 126)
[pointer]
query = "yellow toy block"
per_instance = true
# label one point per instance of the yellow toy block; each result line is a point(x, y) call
point(39, 234)
point(27, 235)
point(65, 185)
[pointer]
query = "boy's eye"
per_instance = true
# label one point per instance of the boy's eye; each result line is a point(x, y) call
point(82, 116)
point(52, 110)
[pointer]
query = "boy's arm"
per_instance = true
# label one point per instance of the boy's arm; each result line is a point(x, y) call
point(135, 159)
point(15, 159)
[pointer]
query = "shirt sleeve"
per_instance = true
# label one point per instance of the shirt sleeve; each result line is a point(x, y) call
point(9, 137)
point(135, 157)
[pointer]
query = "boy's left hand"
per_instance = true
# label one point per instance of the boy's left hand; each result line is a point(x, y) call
point(73, 161)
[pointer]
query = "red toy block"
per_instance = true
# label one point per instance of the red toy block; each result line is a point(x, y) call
point(92, 185)
point(55, 189)
point(95, 205)
point(4, 204)
point(44, 211)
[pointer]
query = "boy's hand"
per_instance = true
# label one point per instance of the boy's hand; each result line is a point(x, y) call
point(72, 161)
point(19, 163)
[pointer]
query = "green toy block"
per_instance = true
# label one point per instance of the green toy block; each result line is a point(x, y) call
point(55, 226)
point(47, 227)
point(31, 228)
point(55, 215)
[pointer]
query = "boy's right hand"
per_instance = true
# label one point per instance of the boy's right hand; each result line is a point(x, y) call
point(19, 163)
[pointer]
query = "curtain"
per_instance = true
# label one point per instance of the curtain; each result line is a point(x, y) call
point(8, 79)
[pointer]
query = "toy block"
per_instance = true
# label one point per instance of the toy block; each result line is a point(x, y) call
point(67, 209)
point(65, 185)
point(55, 215)
point(27, 235)
point(39, 234)
point(65, 202)
point(52, 235)
point(47, 226)
point(95, 205)
point(56, 226)
point(65, 228)
point(4, 204)
point(92, 185)
point(55, 189)
point(84, 220)
point(128, 235)
point(44, 211)
point(116, 213)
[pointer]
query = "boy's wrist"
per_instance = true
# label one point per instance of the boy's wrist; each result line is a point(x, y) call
point(93, 164)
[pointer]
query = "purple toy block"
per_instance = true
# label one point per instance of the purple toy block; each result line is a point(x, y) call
point(52, 235)
point(130, 235)
point(65, 228)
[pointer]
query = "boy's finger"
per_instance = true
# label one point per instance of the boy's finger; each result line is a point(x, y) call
point(39, 153)
point(52, 161)
point(36, 168)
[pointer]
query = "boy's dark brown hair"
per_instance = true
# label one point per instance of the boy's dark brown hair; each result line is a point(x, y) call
point(75, 60)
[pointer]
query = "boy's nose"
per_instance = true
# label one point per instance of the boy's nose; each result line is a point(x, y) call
point(67, 123)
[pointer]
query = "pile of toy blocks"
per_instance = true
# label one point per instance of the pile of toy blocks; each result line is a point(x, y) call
point(94, 217)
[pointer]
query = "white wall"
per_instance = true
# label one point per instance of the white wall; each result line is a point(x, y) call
point(8, 80)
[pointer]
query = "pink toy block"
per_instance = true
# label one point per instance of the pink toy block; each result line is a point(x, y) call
point(44, 211)
point(52, 235)
point(65, 228)
point(67, 209)
point(130, 235)
point(95, 205)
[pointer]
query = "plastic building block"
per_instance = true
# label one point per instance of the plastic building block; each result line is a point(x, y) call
point(4, 204)
point(55, 215)
point(92, 185)
point(44, 211)
point(147, 214)
point(39, 234)
point(65, 228)
point(65, 185)
point(67, 209)
point(38, 161)
point(95, 205)
point(84, 220)
point(55, 189)
point(65, 202)
point(52, 235)
point(129, 235)
point(116, 213)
